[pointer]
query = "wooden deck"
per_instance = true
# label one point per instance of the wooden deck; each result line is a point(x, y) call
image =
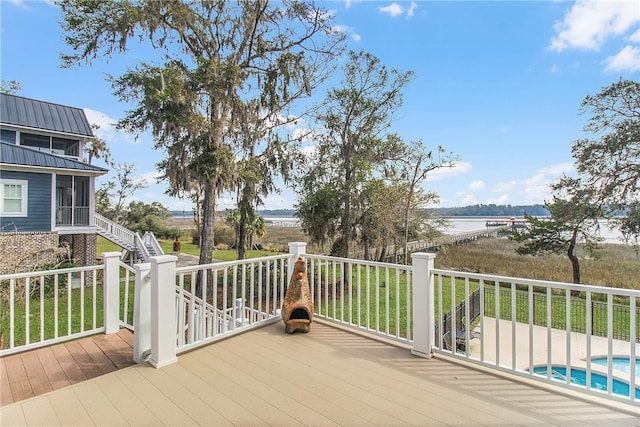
point(326, 377)
point(35, 372)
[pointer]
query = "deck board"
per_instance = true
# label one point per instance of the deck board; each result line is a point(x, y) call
point(34, 372)
point(326, 377)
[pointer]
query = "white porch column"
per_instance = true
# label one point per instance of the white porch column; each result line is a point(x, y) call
point(296, 249)
point(142, 312)
point(111, 292)
point(423, 304)
point(163, 310)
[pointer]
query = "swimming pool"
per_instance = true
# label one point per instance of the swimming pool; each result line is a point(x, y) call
point(620, 363)
point(579, 376)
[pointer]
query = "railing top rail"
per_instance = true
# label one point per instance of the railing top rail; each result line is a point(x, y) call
point(543, 283)
point(359, 261)
point(223, 264)
point(49, 272)
point(127, 267)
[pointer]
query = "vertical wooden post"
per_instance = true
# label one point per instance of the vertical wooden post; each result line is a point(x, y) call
point(163, 310)
point(423, 304)
point(111, 292)
point(142, 312)
point(296, 249)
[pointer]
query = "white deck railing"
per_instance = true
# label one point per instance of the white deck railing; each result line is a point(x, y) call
point(530, 328)
point(47, 307)
point(369, 296)
point(539, 330)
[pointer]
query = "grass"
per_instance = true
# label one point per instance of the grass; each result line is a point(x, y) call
point(613, 265)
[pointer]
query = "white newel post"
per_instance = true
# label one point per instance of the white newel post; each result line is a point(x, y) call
point(296, 249)
point(423, 304)
point(111, 292)
point(163, 310)
point(142, 312)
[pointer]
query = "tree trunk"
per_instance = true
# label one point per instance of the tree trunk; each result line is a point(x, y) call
point(575, 262)
point(208, 219)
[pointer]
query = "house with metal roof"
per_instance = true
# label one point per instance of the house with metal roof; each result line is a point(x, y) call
point(46, 189)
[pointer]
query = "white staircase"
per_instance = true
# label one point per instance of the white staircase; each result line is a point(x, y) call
point(133, 246)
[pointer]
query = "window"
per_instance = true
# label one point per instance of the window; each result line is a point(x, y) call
point(8, 136)
point(13, 195)
point(36, 141)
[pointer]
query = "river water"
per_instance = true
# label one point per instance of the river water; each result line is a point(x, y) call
point(459, 225)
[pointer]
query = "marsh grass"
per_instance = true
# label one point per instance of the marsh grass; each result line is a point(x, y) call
point(613, 265)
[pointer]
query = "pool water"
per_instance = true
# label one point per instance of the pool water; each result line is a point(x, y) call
point(619, 363)
point(579, 376)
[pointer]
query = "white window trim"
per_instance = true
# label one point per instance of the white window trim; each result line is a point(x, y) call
point(24, 184)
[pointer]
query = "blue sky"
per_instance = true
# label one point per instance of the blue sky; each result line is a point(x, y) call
point(497, 83)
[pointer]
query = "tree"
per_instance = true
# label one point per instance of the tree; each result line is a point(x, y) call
point(355, 144)
point(610, 163)
point(96, 148)
point(414, 166)
point(221, 58)
point(572, 221)
point(112, 195)
point(10, 86)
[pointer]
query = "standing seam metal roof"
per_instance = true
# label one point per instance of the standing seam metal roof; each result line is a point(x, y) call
point(20, 111)
point(11, 154)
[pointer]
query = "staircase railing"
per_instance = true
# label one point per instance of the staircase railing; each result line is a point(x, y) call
point(122, 235)
point(128, 239)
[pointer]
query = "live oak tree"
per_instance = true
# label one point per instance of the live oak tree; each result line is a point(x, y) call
point(573, 220)
point(610, 161)
point(354, 144)
point(223, 63)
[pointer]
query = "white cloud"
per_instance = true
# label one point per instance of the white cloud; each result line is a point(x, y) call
point(348, 3)
point(503, 199)
point(394, 9)
point(628, 59)
point(557, 170)
point(343, 29)
point(460, 168)
point(107, 128)
point(412, 9)
point(635, 37)
point(554, 68)
point(148, 177)
point(588, 24)
point(504, 186)
point(476, 185)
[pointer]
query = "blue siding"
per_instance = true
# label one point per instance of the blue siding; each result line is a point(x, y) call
point(38, 203)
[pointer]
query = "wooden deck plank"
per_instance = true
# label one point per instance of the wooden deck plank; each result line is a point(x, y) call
point(154, 400)
point(264, 408)
point(245, 376)
point(17, 376)
point(212, 397)
point(6, 396)
point(306, 389)
point(97, 405)
point(66, 404)
point(191, 403)
point(55, 373)
point(99, 358)
point(40, 413)
point(131, 406)
point(119, 352)
point(265, 377)
point(41, 370)
point(69, 366)
point(82, 359)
